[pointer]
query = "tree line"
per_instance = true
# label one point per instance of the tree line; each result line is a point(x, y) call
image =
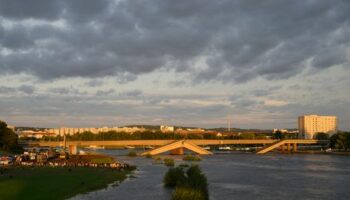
point(158, 135)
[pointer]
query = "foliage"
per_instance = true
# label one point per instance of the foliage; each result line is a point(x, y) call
point(340, 141)
point(169, 162)
point(278, 135)
point(8, 139)
point(174, 177)
point(197, 180)
point(153, 135)
point(188, 184)
point(132, 153)
point(247, 136)
point(181, 193)
point(322, 136)
point(191, 158)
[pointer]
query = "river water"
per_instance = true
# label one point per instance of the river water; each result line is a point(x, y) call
point(242, 176)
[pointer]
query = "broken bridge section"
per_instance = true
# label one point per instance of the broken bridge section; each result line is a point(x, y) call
point(177, 148)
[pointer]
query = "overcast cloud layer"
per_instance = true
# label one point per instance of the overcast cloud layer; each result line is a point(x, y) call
point(108, 62)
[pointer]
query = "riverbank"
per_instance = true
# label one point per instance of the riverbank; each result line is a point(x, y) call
point(55, 183)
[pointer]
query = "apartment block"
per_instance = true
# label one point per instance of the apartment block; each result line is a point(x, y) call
point(310, 125)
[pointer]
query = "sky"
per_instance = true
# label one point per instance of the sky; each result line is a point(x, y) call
point(87, 63)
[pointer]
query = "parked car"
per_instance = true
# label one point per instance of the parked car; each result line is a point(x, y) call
point(6, 160)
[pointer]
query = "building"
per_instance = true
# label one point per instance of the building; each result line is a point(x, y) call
point(35, 134)
point(71, 131)
point(310, 125)
point(165, 129)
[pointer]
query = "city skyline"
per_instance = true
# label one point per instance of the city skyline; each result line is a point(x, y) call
point(115, 63)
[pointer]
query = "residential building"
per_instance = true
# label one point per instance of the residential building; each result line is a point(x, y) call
point(165, 129)
point(310, 125)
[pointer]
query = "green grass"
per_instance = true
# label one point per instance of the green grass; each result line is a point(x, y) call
point(54, 183)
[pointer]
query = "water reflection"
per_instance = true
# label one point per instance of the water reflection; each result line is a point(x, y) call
point(243, 176)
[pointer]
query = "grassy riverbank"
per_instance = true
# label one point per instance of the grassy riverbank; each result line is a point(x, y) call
point(54, 183)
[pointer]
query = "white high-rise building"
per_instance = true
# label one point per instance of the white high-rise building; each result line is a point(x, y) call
point(310, 125)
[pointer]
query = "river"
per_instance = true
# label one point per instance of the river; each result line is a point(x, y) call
point(242, 176)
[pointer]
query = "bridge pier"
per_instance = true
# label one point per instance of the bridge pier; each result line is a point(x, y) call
point(178, 151)
point(73, 149)
point(288, 147)
point(283, 147)
point(295, 147)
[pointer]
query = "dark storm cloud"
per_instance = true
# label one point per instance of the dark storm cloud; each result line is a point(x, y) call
point(239, 40)
point(39, 9)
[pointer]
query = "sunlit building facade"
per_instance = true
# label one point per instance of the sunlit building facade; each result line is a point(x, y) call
point(310, 125)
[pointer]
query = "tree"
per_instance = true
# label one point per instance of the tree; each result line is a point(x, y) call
point(340, 140)
point(322, 136)
point(278, 135)
point(8, 139)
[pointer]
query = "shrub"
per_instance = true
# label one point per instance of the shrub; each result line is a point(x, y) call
point(174, 177)
point(169, 162)
point(192, 185)
point(191, 158)
point(181, 193)
point(132, 154)
point(197, 180)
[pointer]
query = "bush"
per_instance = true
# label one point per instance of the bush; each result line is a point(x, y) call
point(191, 158)
point(187, 185)
point(132, 154)
point(174, 177)
point(197, 180)
point(187, 194)
point(169, 162)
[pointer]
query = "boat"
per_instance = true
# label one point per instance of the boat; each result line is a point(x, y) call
point(206, 147)
point(95, 147)
point(226, 148)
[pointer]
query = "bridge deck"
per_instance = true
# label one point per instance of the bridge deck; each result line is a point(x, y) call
point(279, 143)
point(146, 142)
point(177, 145)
